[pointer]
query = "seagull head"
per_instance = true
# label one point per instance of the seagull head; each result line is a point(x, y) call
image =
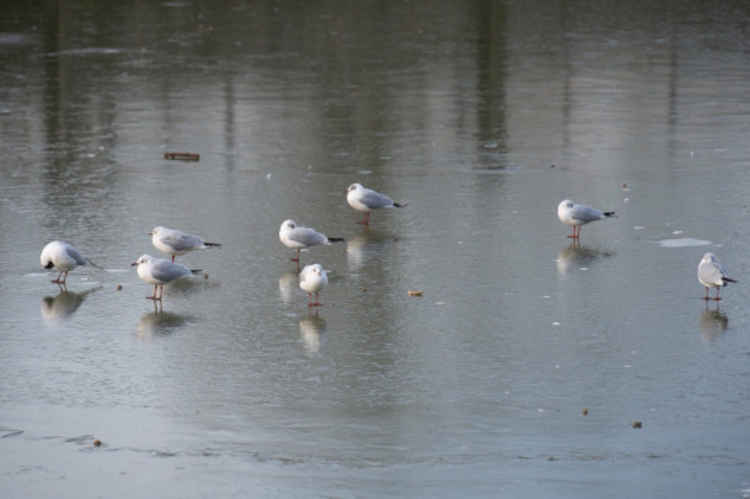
point(354, 187)
point(288, 225)
point(141, 259)
point(709, 257)
point(155, 231)
point(45, 259)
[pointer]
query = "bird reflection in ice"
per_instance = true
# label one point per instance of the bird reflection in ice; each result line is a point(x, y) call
point(310, 328)
point(713, 323)
point(159, 322)
point(63, 305)
point(576, 256)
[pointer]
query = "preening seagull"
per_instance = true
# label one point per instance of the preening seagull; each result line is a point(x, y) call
point(175, 242)
point(712, 275)
point(363, 199)
point(578, 215)
point(63, 257)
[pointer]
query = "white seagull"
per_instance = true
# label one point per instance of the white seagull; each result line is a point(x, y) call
point(712, 275)
point(312, 279)
point(158, 271)
point(175, 242)
point(295, 237)
point(577, 215)
point(363, 199)
point(63, 257)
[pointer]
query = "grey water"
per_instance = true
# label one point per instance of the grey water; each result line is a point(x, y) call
point(482, 116)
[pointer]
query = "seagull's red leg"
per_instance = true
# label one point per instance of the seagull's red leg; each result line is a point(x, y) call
point(706, 297)
point(296, 259)
point(172, 258)
point(718, 289)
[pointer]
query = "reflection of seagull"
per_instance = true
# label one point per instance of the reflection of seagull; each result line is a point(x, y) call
point(295, 237)
point(159, 322)
point(310, 328)
point(576, 255)
point(363, 199)
point(713, 323)
point(712, 275)
point(174, 242)
point(312, 279)
point(63, 257)
point(364, 246)
point(159, 272)
point(287, 285)
point(577, 215)
point(64, 304)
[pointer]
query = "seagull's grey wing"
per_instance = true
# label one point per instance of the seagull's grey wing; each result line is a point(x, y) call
point(710, 273)
point(585, 213)
point(182, 242)
point(166, 271)
point(74, 254)
point(374, 200)
point(307, 236)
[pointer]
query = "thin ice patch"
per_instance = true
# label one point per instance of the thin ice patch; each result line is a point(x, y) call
point(685, 242)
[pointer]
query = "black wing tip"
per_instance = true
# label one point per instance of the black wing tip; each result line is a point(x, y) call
point(401, 205)
point(336, 239)
point(609, 213)
point(215, 245)
point(729, 280)
point(196, 271)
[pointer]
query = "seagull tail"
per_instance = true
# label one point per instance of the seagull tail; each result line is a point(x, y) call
point(336, 239)
point(609, 214)
point(91, 262)
point(402, 204)
point(214, 245)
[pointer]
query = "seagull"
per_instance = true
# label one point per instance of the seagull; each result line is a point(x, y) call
point(295, 237)
point(175, 242)
point(577, 215)
point(363, 199)
point(159, 271)
point(712, 275)
point(312, 279)
point(63, 257)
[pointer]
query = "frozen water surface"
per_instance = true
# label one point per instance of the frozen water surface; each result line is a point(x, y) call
point(483, 115)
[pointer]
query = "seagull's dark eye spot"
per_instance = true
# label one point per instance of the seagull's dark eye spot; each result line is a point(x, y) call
point(49, 265)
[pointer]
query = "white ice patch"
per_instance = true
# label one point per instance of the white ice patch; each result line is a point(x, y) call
point(685, 242)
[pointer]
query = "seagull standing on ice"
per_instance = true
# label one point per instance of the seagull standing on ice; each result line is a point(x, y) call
point(63, 257)
point(363, 199)
point(175, 242)
point(158, 271)
point(295, 237)
point(577, 215)
point(712, 275)
point(312, 279)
